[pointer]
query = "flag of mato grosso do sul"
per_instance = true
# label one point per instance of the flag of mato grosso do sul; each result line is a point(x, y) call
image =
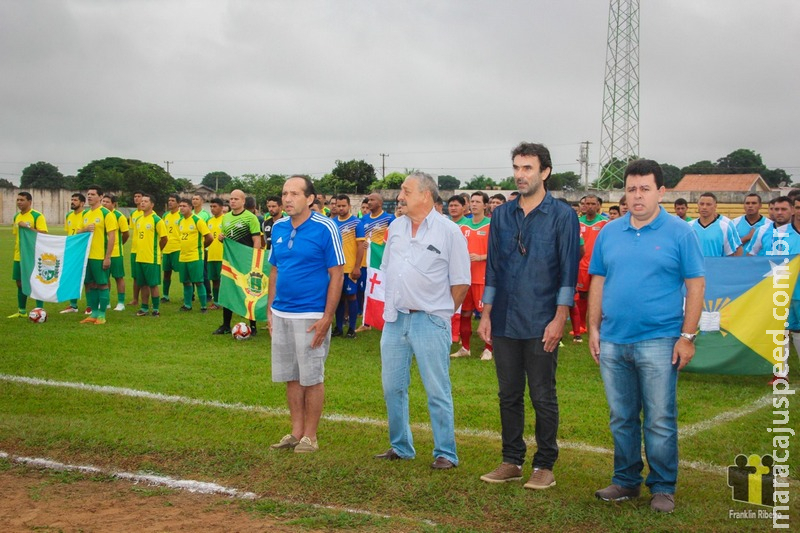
point(53, 267)
point(745, 313)
point(243, 284)
point(375, 287)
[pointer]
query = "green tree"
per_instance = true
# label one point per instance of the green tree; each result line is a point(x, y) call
point(701, 167)
point(108, 173)
point(217, 180)
point(776, 176)
point(152, 179)
point(448, 183)
point(258, 186)
point(392, 181)
point(741, 161)
point(480, 182)
point(563, 181)
point(330, 184)
point(612, 173)
point(41, 175)
point(508, 184)
point(5, 184)
point(357, 172)
point(183, 185)
point(672, 175)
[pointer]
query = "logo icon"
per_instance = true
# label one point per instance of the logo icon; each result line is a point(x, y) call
point(47, 268)
point(255, 283)
point(751, 480)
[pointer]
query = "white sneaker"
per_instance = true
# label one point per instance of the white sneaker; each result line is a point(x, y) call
point(120, 307)
point(462, 352)
point(486, 355)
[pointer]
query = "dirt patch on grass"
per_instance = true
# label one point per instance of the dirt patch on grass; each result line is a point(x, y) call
point(35, 500)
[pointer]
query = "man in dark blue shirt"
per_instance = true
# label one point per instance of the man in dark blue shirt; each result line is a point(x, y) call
point(531, 272)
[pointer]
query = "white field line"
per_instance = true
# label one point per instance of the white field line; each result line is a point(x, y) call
point(189, 485)
point(693, 429)
point(333, 417)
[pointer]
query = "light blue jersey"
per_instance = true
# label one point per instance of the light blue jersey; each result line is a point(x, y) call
point(718, 239)
point(743, 227)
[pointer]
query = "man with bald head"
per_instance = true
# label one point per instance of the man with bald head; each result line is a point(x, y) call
point(242, 226)
point(373, 226)
point(427, 269)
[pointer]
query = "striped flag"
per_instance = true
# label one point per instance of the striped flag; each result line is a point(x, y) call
point(244, 285)
point(374, 295)
point(53, 267)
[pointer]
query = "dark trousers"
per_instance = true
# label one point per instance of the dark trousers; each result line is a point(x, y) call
point(516, 359)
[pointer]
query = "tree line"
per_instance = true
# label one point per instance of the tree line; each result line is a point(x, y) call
point(352, 177)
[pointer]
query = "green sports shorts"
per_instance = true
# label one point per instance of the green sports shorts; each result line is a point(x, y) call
point(16, 271)
point(170, 261)
point(214, 269)
point(133, 264)
point(191, 271)
point(117, 269)
point(95, 273)
point(147, 274)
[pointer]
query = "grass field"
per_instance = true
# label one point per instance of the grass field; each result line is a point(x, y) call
point(227, 442)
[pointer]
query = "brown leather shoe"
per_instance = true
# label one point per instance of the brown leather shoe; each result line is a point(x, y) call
point(389, 454)
point(442, 463)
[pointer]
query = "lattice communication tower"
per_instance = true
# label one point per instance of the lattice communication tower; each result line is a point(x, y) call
point(619, 138)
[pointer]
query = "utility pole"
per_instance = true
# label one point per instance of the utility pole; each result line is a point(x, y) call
point(583, 159)
point(383, 165)
point(619, 139)
point(168, 164)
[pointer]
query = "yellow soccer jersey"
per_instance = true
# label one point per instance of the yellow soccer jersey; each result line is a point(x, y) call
point(192, 230)
point(122, 227)
point(32, 219)
point(148, 231)
point(73, 222)
point(104, 223)
point(215, 248)
point(171, 221)
point(131, 225)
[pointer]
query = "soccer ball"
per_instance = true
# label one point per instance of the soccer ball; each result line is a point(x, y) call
point(38, 315)
point(241, 331)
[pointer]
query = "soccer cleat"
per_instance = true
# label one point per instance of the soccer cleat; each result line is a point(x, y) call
point(18, 314)
point(100, 321)
point(204, 310)
point(462, 352)
point(90, 320)
point(184, 308)
point(222, 330)
point(214, 307)
point(120, 307)
point(142, 312)
point(351, 334)
point(88, 311)
point(336, 332)
point(164, 299)
point(577, 339)
point(156, 312)
point(68, 309)
point(486, 355)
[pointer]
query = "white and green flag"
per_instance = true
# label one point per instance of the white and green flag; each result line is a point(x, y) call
point(53, 267)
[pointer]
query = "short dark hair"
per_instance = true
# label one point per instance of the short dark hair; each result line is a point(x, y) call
point(187, 201)
point(457, 198)
point(147, 195)
point(365, 201)
point(613, 208)
point(794, 193)
point(483, 195)
point(681, 201)
point(249, 203)
point(644, 167)
point(746, 196)
point(175, 196)
point(499, 196)
point(343, 197)
point(780, 200)
point(217, 201)
point(709, 195)
point(539, 151)
point(79, 196)
point(26, 195)
point(276, 199)
point(138, 192)
point(112, 197)
point(95, 188)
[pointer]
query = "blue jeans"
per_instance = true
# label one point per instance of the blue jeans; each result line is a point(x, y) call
point(637, 377)
point(428, 338)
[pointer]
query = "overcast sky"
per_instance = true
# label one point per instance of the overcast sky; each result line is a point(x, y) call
point(448, 87)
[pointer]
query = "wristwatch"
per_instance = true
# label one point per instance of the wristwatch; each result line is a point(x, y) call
point(689, 336)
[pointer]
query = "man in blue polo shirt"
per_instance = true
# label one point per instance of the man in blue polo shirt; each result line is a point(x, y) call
point(716, 233)
point(305, 284)
point(640, 335)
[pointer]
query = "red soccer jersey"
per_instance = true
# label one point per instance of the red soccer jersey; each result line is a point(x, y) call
point(589, 232)
point(477, 235)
